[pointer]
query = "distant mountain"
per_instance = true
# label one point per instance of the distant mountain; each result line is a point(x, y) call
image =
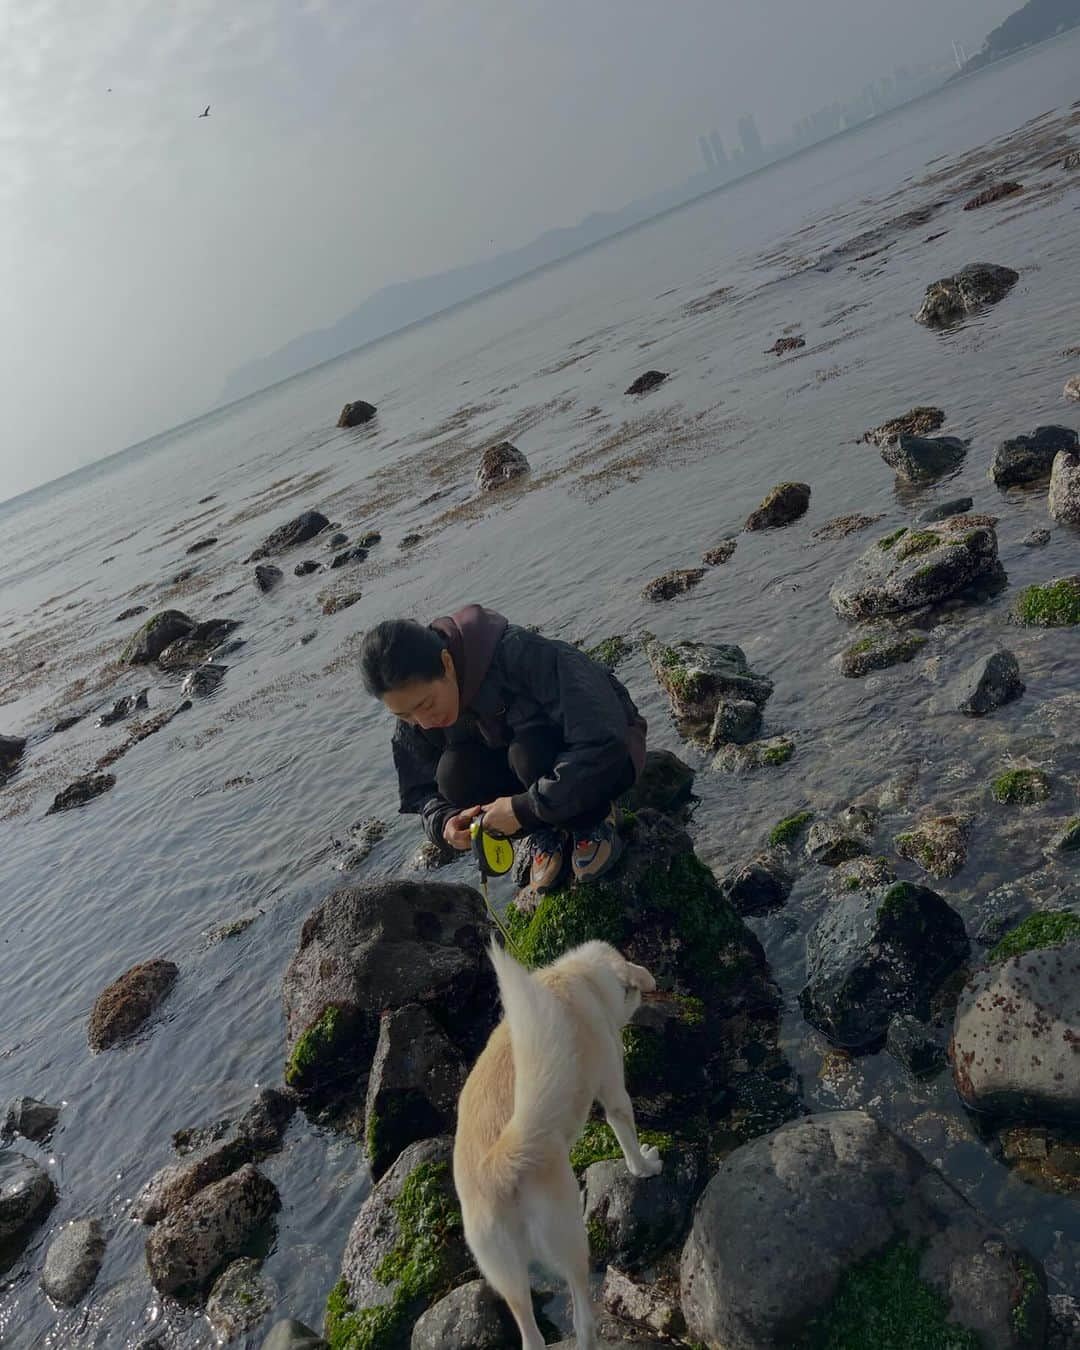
point(395, 307)
point(1037, 21)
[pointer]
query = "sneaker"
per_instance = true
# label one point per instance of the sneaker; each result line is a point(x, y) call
point(547, 854)
point(596, 849)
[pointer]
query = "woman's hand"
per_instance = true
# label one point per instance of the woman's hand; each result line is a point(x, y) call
point(499, 816)
point(456, 829)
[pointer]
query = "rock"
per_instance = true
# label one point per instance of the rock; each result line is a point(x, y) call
point(334, 604)
point(952, 298)
point(337, 540)
point(676, 582)
point(185, 653)
point(832, 842)
point(190, 1245)
point(500, 464)
point(377, 946)
point(239, 1300)
point(1030, 459)
point(956, 507)
point(125, 1005)
point(990, 683)
point(911, 568)
point(839, 527)
point(32, 1119)
point(643, 1306)
point(411, 539)
point(871, 956)
point(758, 886)
point(1054, 605)
point(915, 422)
point(736, 722)
point(203, 681)
point(1072, 389)
point(348, 556)
point(130, 613)
point(1066, 840)
point(155, 635)
point(1021, 787)
point(365, 834)
point(783, 504)
point(609, 652)
point(261, 1126)
point(633, 1220)
point(912, 1044)
point(289, 1334)
point(416, 1077)
point(296, 531)
point(305, 568)
point(1017, 1028)
point(665, 784)
point(26, 1195)
point(80, 792)
point(200, 544)
point(716, 557)
point(185, 574)
point(647, 382)
point(785, 344)
point(429, 857)
point(11, 751)
point(1064, 500)
point(697, 675)
point(938, 845)
point(124, 707)
point(73, 1261)
point(412, 1212)
point(921, 459)
point(798, 1231)
point(356, 414)
point(1036, 539)
point(878, 651)
point(993, 194)
point(471, 1317)
point(774, 751)
point(369, 539)
point(267, 576)
point(1071, 160)
point(1063, 1331)
point(176, 1183)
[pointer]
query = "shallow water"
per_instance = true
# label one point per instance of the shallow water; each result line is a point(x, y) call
point(237, 805)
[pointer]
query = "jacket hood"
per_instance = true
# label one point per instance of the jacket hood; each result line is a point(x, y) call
point(472, 634)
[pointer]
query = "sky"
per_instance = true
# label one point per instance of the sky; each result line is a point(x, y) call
point(145, 252)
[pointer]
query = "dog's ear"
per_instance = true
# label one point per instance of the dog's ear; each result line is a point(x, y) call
point(639, 977)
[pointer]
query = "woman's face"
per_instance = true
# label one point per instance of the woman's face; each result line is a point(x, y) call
point(428, 703)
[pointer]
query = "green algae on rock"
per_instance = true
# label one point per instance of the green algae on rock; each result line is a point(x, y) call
point(1020, 787)
point(1053, 605)
point(788, 830)
point(879, 651)
point(1049, 928)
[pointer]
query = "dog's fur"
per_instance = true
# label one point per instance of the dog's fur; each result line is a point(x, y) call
point(557, 1050)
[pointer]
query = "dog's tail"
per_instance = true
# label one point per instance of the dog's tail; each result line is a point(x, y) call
point(545, 1071)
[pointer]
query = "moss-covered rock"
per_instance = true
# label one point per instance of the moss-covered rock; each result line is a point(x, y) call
point(939, 845)
point(879, 651)
point(1049, 928)
point(1053, 605)
point(787, 831)
point(919, 421)
point(155, 635)
point(697, 675)
point(772, 753)
point(783, 504)
point(405, 1250)
point(1067, 840)
point(666, 783)
point(609, 652)
point(1020, 787)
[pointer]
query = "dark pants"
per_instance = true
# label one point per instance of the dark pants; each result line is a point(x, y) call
point(472, 773)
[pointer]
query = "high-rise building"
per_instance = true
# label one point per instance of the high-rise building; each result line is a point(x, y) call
point(706, 153)
point(719, 153)
point(751, 139)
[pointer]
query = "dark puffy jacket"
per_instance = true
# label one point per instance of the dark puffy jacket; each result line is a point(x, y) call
point(529, 681)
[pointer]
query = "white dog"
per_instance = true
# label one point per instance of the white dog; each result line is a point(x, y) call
point(557, 1050)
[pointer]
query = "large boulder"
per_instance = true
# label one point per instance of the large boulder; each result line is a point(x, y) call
point(471, 1317)
point(783, 504)
point(990, 683)
point(1064, 499)
point(500, 464)
point(405, 1249)
point(921, 459)
point(757, 886)
point(833, 1232)
point(26, 1195)
point(124, 1006)
point(378, 946)
point(73, 1261)
point(872, 955)
point(155, 635)
point(633, 1220)
point(176, 1183)
point(697, 675)
point(1016, 1038)
point(189, 1246)
point(416, 1077)
point(301, 528)
point(1030, 459)
point(356, 414)
point(910, 568)
point(952, 298)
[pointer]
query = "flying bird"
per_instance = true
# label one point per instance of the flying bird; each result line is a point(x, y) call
point(204, 114)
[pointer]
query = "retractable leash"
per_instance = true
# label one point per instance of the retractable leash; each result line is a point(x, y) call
point(494, 855)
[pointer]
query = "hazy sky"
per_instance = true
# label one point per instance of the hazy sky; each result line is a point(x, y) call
point(144, 253)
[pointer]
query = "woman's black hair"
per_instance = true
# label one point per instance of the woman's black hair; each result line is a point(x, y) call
point(398, 651)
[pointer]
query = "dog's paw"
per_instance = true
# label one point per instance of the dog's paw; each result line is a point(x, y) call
point(651, 1163)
